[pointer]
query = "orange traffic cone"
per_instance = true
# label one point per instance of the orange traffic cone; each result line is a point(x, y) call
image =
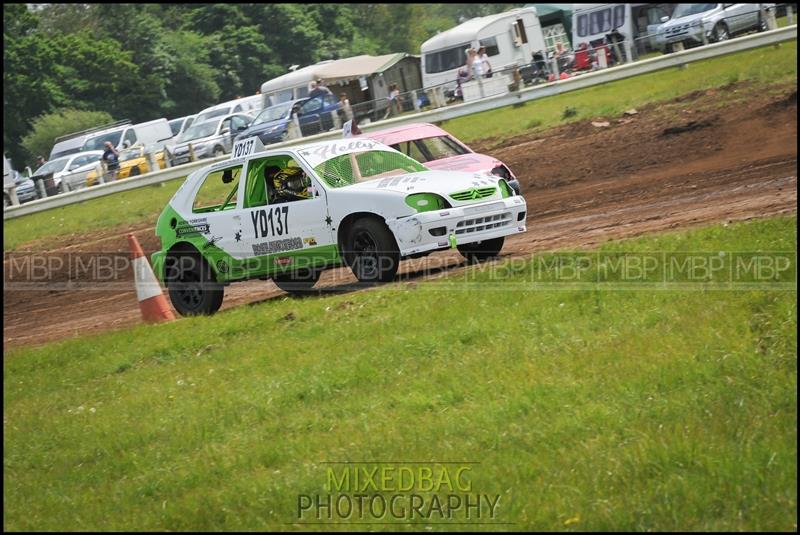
point(148, 291)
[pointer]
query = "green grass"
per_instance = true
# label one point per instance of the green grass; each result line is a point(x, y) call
point(586, 409)
point(762, 66)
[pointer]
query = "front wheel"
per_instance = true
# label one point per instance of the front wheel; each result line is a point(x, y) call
point(482, 250)
point(297, 282)
point(720, 32)
point(192, 286)
point(371, 251)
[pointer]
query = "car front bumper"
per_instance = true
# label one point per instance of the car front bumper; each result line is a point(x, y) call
point(440, 229)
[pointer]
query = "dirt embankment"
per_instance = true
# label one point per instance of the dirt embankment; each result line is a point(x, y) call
point(683, 163)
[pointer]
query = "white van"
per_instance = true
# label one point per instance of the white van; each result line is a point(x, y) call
point(510, 39)
point(248, 105)
point(290, 86)
point(72, 143)
point(152, 135)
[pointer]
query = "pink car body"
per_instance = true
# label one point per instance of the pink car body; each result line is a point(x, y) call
point(453, 156)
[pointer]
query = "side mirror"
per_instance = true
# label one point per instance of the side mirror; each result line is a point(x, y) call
point(241, 128)
point(665, 18)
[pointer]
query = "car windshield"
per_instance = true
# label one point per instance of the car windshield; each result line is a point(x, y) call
point(175, 126)
point(205, 116)
point(97, 142)
point(354, 167)
point(273, 113)
point(198, 131)
point(684, 10)
point(53, 166)
point(431, 148)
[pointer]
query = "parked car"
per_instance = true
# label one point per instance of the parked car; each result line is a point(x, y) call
point(314, 115)
point(152, 134)
point(306, 208)
point(438, 149)
point(178, 126)
point(22, 186)
point(249, 105)
point(69, 172)
point(209, 139)
point(132, 162)
point(272, 124)
point(717, 22)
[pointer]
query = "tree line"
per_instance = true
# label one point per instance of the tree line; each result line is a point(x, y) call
point(145, 61)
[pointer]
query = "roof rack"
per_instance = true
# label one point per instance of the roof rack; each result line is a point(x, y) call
point(123, 122)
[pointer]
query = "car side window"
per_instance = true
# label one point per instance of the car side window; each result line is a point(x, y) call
point(330, 100)
point(78, 162)
point(218, 191)
point(312, 105)
point(130, 136)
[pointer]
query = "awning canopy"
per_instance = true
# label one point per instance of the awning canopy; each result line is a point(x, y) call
point(356, 67)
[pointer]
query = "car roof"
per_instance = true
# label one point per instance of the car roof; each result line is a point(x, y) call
point(391, 136)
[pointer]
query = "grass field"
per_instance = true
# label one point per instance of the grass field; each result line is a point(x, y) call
point(592, 409)
point(765, 66)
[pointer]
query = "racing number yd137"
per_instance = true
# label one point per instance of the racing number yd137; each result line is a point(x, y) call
point(270, 222)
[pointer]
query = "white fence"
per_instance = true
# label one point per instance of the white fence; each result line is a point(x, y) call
point(772, 37)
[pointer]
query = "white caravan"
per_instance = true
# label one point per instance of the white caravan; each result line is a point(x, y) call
point(510, 39)
point(290, 86)
point(637, 23)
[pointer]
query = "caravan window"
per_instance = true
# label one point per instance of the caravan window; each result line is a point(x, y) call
point(521, 31)
point(583, 25)
point(619, 16)
point(301, 92)
point(447, 59)
point(601, 21)
point(491, 46)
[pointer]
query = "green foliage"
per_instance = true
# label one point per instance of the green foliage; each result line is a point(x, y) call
point(145, 61)
point(589, 410)
point(47, 127)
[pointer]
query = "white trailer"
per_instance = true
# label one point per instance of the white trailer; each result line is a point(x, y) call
point(636, 23)
point(510, 39)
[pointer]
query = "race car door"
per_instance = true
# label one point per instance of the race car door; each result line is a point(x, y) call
point(293, 231)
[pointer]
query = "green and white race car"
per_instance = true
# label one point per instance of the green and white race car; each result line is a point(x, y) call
point(288, 214)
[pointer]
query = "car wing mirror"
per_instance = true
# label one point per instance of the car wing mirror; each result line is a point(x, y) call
point(665, 18)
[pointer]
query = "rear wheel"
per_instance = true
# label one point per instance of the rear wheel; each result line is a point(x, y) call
point(482, 250)
point(297, 282)
point(371, 251)
point(192, 287)
point(218, 151)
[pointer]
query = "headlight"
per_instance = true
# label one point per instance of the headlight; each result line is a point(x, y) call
point(426, 202)
point(410, 230)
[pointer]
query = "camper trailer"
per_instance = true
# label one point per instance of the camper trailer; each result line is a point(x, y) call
point(636, 23)
point(510, 39)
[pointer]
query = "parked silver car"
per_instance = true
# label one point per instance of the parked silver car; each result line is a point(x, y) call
point(209, 139)
point(69, 172)
point(696, 24)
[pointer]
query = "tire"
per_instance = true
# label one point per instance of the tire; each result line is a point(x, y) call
point(135, 171)
point(192, 287)
point(371, 251)
point(300, 282)
point(482, 250)
point(721, 32)
point(218, 151)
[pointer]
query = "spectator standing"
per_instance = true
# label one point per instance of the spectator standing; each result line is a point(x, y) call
point(344, 107)
point(111, 160)
point(394, 100)
point(474, 63)
point(316, 89)
point(484, 57)
point(40, 161)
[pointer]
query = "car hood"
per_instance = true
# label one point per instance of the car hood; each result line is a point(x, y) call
point(442, 183)
point(261, 127)
point(472, 163)
point(185, 144)
point(688, 19)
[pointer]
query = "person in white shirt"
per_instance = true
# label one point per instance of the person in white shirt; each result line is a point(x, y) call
point(487, 67)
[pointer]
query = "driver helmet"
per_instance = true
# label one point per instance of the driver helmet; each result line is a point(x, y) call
point(293, 180)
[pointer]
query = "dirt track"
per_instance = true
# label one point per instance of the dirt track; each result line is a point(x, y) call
point(679, 164)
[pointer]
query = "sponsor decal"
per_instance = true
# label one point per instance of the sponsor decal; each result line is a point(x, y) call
point(212, 242)
point(310, 241)
point(328, 221)
point(277, 246)
point(330, 150)
point(238, 235)
point(222, 266)
point(189, 229)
